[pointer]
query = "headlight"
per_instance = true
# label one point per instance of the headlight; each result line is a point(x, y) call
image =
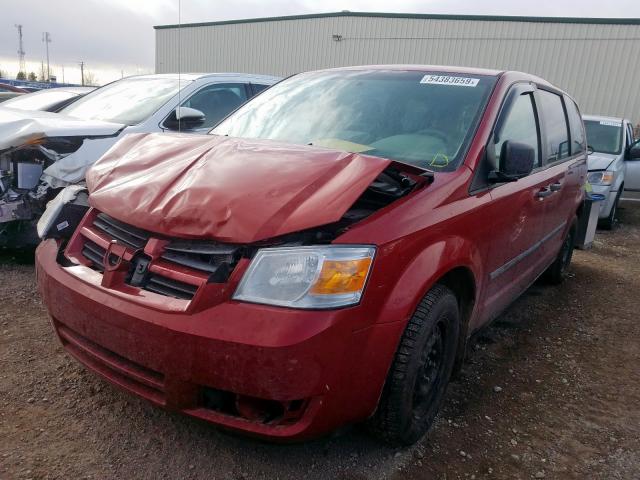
point(600, 178)
point(307, 277)
point(54, 207)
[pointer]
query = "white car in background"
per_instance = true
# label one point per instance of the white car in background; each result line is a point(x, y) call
point(48, 100)
point(611, 166)
point(41, 152)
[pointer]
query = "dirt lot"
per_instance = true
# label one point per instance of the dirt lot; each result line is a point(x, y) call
point(551, 390)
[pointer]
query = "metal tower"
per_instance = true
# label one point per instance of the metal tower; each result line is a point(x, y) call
point(46, 38)
point(21, 67)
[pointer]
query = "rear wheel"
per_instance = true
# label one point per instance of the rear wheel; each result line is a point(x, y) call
point(421, 369)
point(557, 272)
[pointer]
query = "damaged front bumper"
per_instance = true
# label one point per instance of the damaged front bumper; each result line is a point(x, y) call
point(266, 371)
point(32, 173)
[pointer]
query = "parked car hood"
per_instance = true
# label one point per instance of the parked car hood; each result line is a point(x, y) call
point(20, 126)
point(226, 189)
point(600, 161)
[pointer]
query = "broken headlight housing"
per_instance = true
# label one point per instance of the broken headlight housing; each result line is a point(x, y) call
point(59, 221)
point(307, 277)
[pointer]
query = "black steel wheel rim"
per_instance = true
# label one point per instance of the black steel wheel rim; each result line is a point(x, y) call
point(432, 363)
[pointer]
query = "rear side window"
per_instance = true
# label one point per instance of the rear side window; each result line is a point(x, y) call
point(258, 87)
point(554, 126)
point(519, 126)
point(577, 128)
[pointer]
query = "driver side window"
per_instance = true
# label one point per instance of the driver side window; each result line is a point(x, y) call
point(520, 126)
point(629, 135)
point(216, 101)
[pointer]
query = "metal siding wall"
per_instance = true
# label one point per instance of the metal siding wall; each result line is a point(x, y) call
point(599, 64)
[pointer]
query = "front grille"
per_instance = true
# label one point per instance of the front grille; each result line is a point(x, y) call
point(133, 237)
point(194, 262)
point(94, 253)
point(204, 256)
point(169, 287)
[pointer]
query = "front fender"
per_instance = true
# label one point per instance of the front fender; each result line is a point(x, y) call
point(617, 186)
point(424, 270)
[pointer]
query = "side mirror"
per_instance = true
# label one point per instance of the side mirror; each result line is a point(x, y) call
point(188, 114)
point(186, 117)
point(634, 151)
point(516, 161)
point(589, 150)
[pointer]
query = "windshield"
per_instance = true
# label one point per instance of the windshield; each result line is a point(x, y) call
point(604, 136)
point(422, 118)
point(39, 100)
point(129, 101)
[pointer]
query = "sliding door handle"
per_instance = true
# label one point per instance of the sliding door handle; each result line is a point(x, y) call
point(544, 193)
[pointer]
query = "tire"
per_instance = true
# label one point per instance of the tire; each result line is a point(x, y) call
point(610, 222)
point(557, 271)
point(421, 370)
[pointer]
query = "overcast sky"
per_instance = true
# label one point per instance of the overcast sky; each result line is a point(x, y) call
point(115, 37)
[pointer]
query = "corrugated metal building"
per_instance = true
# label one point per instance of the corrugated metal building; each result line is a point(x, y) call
point(596, 60)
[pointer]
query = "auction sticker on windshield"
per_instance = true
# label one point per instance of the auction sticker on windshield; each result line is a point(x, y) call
point(449, 80)
point(609, 123)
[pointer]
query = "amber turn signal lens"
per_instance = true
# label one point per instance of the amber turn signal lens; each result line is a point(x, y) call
point(35, 141)
point(341, 276)
point(607, 178)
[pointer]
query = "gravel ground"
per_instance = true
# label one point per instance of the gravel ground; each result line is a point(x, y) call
point(550, 390)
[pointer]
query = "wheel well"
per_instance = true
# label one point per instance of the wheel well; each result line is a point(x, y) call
point(462, 283)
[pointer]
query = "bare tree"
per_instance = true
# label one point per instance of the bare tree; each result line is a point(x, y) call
point(89, 78)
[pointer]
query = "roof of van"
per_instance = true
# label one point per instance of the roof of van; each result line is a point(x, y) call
point(512, 74)
point(603, 118)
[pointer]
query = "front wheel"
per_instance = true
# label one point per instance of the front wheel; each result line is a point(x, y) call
point(418, 378)
point(557, 271)
point(610, 222)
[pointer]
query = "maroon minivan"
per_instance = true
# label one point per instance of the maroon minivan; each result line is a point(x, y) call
point(323, 256)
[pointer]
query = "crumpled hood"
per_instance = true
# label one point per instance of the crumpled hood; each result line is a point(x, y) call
point(20, 126)
point(600, 161)
point(227, 189)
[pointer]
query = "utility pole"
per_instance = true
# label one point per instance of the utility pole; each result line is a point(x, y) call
point(82, 72)
point(46, 38)
point(21, 64)
point(63, 74)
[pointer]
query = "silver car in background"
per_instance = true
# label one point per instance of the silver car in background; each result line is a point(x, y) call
point(610, 139)
point(42, 152)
